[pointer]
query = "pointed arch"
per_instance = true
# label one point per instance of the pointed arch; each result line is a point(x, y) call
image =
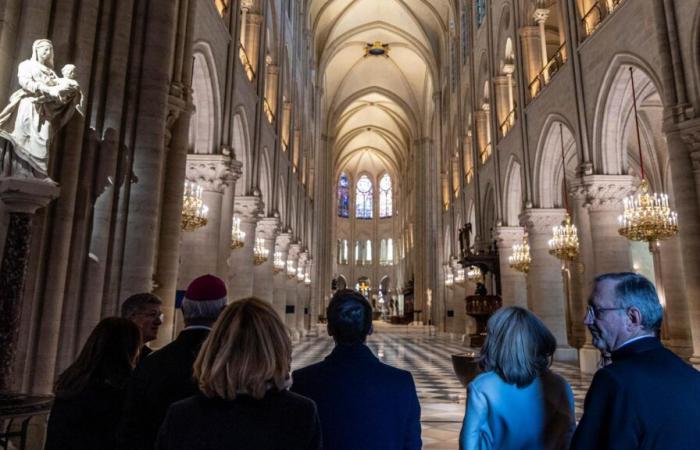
point(204, 130)
point(548, 172)
point(514, 192)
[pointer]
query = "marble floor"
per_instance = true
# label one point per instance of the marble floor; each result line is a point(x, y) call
point(427, 357)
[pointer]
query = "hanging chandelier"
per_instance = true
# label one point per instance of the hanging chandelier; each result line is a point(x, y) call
point(260, 253)
point(194, 211)
point(237, 235)
point(300, 273)
point(474, 274)
point(564, 242)
point(291, 271)
point(459, 277)
point(646, 215)
point(307, 276)
point(278, 263)
point(520, 259)
point(449, 278)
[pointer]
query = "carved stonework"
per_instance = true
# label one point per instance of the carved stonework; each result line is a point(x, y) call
point(690, 134)
point(267, 228)
point(282, 242)
point(212, 172)
point(604, 191)
point(22, 198)
point(248, 208)
point(179, 101)
point(540, 15)
point(507, 236)
point(541, 220)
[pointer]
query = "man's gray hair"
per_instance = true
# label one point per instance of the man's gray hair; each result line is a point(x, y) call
point(137, 303)
point(634, 290)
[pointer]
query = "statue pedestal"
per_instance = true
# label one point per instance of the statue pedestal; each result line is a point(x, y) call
point(22, 197)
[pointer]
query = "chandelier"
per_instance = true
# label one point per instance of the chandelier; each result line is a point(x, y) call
point(459, 277)
point(520, 259)
point(307, 276)
point(449, 277)
point(194, 211)
point(300, 273)
point(564, 242)
point(474, 274)
point(646, 216)
point(237, 235)
point(260, 253)
point(291, 271)
point(278, 264)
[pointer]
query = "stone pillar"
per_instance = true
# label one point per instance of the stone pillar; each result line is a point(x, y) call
point(240, 275)
point(604, 195)
point(501, 87)
point(262, 274)
point(21, 198)
point(271, 81)
point(545, 286)
point(540, 16)
point(482, 131)
point(279, 290)
point(513, 283)
point(252, 40)
point(291, 288)
point(530, 37)
point(682, 146)
point(236, 170)
point(200, 248)
point(302, 301)
point(457, 304)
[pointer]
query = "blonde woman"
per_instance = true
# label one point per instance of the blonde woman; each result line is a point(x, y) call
point(518, 403)
point(243, 374)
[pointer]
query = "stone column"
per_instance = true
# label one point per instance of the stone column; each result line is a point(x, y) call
point(300, 310)
point(501, 87)
point(530, 37)
point(240, 275)
point(513, 283)
point(271, 81)
point(227, 214)
point(604, 195)
point(21, 198)
point(457, 305)
point(253, 39)
point(279, 290)
point(291, 290)
point(686, 193)
point(540, 16)
point(545, 286)
point(200, 248)
point(482, 131)
point(262, 274)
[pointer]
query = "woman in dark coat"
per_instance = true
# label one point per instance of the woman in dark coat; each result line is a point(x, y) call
point(90, 393)
point(243, 374)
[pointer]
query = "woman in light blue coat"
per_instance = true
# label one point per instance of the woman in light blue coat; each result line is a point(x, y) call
point(518, 403)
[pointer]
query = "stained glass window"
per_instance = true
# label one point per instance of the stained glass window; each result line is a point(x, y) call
point(343, 195)
point(385, 197)
point(368, 252)
point(363, 198)
point(480, 11)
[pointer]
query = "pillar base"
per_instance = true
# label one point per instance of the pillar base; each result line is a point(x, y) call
point(589, 359)
point(566, 353)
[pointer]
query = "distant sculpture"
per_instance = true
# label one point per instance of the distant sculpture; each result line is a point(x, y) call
point(42, 106)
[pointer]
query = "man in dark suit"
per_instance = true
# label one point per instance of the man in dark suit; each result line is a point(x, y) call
point(166, 375)
point(647, 398)
point(362, 402)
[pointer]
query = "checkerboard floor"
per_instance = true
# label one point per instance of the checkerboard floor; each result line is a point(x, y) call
point(428, 358)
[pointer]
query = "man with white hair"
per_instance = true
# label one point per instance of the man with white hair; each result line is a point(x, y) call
point(166, 375)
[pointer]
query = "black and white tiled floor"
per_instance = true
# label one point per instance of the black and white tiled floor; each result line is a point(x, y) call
point(427, 357)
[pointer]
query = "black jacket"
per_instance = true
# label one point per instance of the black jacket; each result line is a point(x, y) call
point(159, 381)
point(87, 421)
point(279, 421)
point(362, 402)
point(648, 398)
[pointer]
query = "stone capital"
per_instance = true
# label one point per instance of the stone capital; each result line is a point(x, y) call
point(212, 172)
point(507, 236)
point(293, 252)
point(540, 15)
point(248, 208)
point(267, 228)
point(541, 220)
point(690, 134)
point(282, 242)
point(603, 191)
point(27, 195)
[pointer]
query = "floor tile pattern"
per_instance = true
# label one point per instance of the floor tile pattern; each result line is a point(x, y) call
point(427, 357)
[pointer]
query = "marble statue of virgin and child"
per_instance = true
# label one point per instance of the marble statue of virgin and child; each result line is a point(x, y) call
point(44, 104)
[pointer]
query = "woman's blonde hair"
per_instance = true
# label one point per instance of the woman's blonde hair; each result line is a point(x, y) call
point(518, 347)
point(247, 352)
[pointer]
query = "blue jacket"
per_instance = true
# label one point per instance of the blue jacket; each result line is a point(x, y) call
point(363, 403)
point(648, 398)
point(502, 416)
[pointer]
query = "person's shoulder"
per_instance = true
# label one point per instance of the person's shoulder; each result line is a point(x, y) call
point(296, 401)
point(485, 380)
point(311, 370)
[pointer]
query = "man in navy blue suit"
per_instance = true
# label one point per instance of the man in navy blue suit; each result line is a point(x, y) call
point(647, 398)
point(363, 403)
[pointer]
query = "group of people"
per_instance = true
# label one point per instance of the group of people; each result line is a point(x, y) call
point(225, 382)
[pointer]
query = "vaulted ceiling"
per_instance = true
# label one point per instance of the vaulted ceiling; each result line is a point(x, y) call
point(377, 105)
